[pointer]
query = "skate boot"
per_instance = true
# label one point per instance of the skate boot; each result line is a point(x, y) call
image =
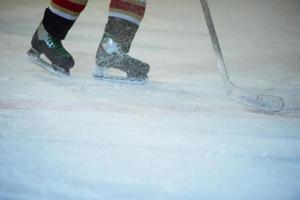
point(43, 43)
point(113, 53)
point(110, 55)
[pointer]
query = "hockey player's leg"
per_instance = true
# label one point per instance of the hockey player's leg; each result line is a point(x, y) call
point(120, 30)
point(58, 20)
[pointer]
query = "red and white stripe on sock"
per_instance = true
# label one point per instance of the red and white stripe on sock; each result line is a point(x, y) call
point(131, 10)
point(68, 9)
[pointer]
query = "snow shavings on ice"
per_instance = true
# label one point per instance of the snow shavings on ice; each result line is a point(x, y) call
point(176, 138)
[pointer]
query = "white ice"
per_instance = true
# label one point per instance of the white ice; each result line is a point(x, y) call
point(178, 137)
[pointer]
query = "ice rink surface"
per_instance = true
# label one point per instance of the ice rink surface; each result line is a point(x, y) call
point(178, 137)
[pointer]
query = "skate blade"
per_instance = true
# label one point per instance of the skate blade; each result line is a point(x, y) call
point(34, 56)
point(118, 79)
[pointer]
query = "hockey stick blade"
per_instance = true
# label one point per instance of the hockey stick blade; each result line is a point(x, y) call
point(259, 102)
point(264, 103)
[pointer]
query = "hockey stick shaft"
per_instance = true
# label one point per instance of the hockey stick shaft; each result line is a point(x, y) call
point(215, 42)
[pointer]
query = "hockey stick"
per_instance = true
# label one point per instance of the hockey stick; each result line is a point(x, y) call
point(260, 102)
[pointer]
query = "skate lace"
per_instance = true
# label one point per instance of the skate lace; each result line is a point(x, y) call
point(57, 45)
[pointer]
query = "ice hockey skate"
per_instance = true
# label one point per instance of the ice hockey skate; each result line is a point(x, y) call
point(110, 55)
point(60, 60)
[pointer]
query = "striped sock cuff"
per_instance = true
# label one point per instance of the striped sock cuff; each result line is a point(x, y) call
point(68, 9)
point(130, 10)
